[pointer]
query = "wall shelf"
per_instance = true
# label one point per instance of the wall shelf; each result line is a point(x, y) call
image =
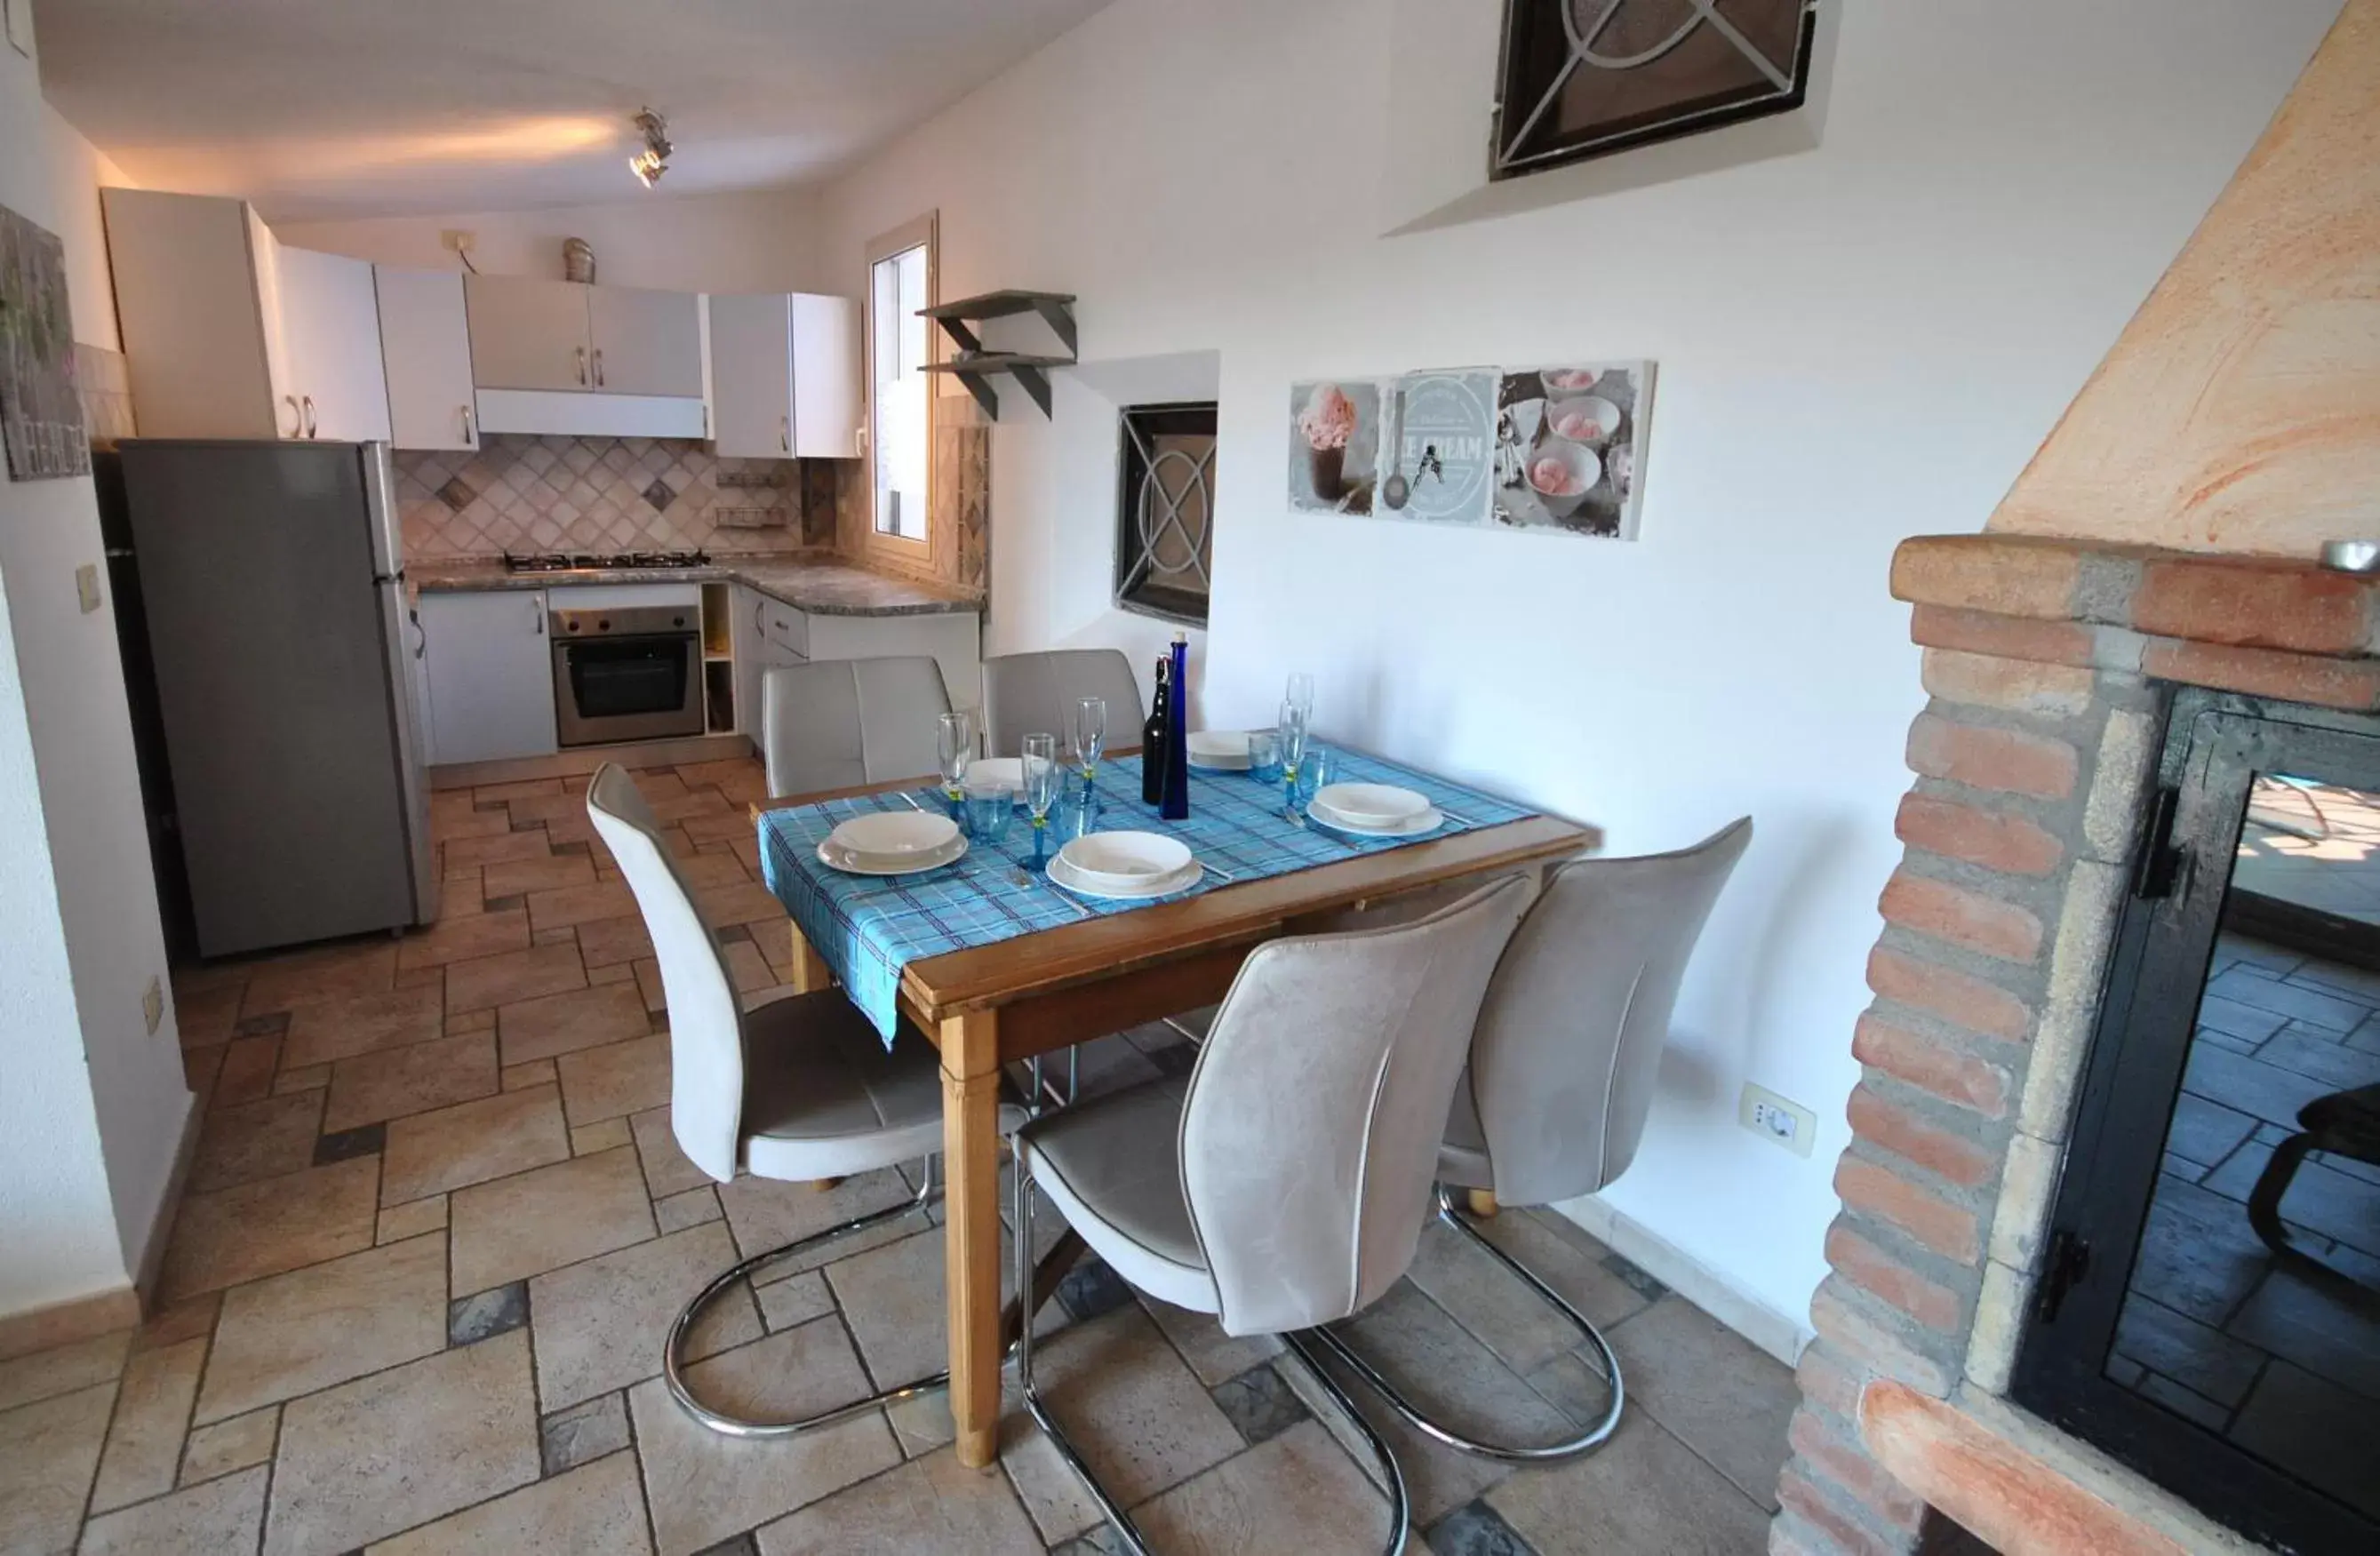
point(976, 367)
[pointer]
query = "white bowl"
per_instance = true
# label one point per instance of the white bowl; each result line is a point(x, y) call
point(1371, 805)
point(1587, 418)
point(1006, 772)
point(1226, 748)
point(895, 834)
point(1581, 470)
point(1125, 858)
point(1076, 880)
point(1428, 821)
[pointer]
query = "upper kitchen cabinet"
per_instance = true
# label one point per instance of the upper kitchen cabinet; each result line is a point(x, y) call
point(784, 376)
point(426, 343)
point(645, 343)
point(559, 357)
point(527, 334)
point(227, 335)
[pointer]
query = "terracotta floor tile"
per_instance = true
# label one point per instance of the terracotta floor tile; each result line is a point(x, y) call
point(610, 1082)
point(463, 1423)
point(503, 793)
point(554, 806)
point(458, 937)
point(342, 1028)
point(472, 1142)
point(546, 1218)
point(516, 974)
point(768, 1214)
point(206, 1016)
point(744, 902)
point(1296, 1491)
point(397, 1081)
point(264, 1138)
point(312, 1328)
point(934, 1506)
point(1643, 1490)
point(145, 1440)
point(552, 872)
point(229, 1445)
point(247, 1070)
point(667, 1171)
point(60, 1369)
point(47, 1452)
point(667, 809)
point(598, 1325)
point(179, 1322)
point(308, 1077)
point(412, 1219)
point(603, 942)
point(219, 1516)
point(260, 1229)
point(520, 1078)
point(607, 1135)
point(713, 869)
point(359, 967)
point(749, 969)
point(570, 906)
point(1715, 1391)
point(597, 1509)
point(577, 1019)
point(494, 848)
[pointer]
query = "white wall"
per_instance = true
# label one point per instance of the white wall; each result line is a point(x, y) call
point(77, 171)
point(92, 1105)
point(1856, 344)
point(756, 242)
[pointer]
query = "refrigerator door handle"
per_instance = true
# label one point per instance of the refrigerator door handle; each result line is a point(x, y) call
point(296, 418)
point(309, 417)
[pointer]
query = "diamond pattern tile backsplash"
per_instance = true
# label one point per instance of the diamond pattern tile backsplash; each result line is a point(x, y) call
point(525, 493)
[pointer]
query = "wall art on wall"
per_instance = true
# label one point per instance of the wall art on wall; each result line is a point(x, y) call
point(1333, 446)
point(39, 410)
point(1570, 449)
point(1441, 446)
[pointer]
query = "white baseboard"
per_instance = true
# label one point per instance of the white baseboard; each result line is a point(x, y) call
point(161, 1215)
point(1780, 1335)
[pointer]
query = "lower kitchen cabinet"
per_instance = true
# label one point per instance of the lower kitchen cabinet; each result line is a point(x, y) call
point(769, 633)
point(490, 672)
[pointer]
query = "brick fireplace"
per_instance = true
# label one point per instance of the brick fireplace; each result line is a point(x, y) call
point(2047, 662)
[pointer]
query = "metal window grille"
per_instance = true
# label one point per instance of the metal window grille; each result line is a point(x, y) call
point(1165, 510)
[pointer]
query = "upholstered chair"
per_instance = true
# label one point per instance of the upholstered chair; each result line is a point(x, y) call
point(836, 724)
point(1553, 1101)
point(1285, 1181)
point(796, 1088)
point(1022, 693)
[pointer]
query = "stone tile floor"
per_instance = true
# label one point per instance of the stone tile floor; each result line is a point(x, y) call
point(436, 1227)
point(2214, 1328)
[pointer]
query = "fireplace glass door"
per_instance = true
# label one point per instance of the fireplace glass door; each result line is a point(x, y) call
point(2210, 1304)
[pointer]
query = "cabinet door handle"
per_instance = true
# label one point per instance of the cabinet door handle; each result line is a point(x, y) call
point(538, 606)
point(469, 436)
point(296, 418)
point(310, 416)
point(420, 635)
point(582, 365)
point(786, 432)
point(599, 367)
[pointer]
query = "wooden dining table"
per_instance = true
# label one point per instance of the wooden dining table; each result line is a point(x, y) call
point(1036, 993)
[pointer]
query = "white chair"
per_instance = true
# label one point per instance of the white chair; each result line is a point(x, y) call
point(1552, 1103)
point(796, 1088)
point(1022, 693)
point(836, 724)
point(1285, 1181)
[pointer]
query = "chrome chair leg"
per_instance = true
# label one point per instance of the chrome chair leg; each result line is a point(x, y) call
point(1128, 1533)
point(1594, 1438)
point(673, 1349)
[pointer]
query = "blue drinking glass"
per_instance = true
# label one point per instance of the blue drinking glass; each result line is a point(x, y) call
point(988, 806)
point(1263, 756)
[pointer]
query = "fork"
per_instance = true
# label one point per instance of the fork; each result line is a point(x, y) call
point(1021, 878)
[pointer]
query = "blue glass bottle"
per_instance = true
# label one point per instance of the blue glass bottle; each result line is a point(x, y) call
point(1175, 807)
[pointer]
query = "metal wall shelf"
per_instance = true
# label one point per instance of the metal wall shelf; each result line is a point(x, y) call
point(975, 367)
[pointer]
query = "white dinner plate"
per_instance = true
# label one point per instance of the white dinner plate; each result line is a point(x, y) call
point(1428, 820)
point(836, 856)
point(895, 834)
point(1074, 879)
point(1371, 805)
point(1219, 750)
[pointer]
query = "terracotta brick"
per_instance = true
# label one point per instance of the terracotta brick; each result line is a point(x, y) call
point(2017, 684)
point(1849, 1466)
point(1891, 1281)
point(1926, 906)
point(2009, 845)
point(2254, 605)
point(2011, 576)
point(2327, 683)
point(1824, 1381)
point(2043, 642)
point(2009, 761)
point(1799, 1493)
point(1917, 1142)
point(1867, 1345)
point(1928, 1218)
point(1958, 997)
point(1931, 1066)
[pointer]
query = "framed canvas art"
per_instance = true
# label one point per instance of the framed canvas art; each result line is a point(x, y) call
point(41, 414)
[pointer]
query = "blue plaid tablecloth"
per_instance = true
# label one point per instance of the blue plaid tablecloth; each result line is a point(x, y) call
point(868, 928)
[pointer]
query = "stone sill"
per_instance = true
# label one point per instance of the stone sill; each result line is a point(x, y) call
point(2262, 626)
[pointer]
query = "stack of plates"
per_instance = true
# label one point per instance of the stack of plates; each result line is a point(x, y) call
point(1374, 810)
point(1219, 750)
point(1007, 772)
point(1125, 865)
point(892, 843)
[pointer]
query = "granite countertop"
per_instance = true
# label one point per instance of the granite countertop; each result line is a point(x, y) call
point(822, 586)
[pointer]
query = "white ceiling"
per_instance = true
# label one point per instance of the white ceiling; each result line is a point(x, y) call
point(333, 108)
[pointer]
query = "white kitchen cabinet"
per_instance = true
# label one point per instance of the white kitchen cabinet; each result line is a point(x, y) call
point(330, 323)
point(227, 334)
point(491, 672)
point(645, 342)
point(785, 375)
point(527, 334)
point(425, 341)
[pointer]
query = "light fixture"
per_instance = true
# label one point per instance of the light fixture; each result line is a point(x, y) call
point(653, 161)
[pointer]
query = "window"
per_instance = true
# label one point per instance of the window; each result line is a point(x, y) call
point(900, 393)
point(1165, 510)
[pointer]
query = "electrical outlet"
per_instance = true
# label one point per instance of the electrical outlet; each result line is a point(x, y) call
point(1773, 1118)
point(457, 240)
point(87, 587)
point(153, 1005)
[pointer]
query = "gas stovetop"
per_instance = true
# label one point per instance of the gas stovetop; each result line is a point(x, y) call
point(604, 562)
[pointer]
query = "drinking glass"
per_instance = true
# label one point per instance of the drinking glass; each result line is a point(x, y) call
point(1090, 738)
point(1042, 774)
point(1313, 772)
point(955, 740)
point(1301, 692)
point(1263, 756)
point(1291, 735)
point(988, 806)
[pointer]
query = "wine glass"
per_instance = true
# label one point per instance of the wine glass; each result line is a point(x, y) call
point(1301, 692)
point(1042, 774)
point(1291, 733)
point(954, 739)
point(1090, 740)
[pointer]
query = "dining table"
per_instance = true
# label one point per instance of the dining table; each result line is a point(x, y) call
point(995, 964)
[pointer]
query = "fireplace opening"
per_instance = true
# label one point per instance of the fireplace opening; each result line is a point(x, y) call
point(2209, 1303)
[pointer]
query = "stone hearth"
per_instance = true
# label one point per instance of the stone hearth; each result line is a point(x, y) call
point(2047, 663)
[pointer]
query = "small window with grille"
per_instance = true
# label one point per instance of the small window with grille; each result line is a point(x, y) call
point(1165, 510)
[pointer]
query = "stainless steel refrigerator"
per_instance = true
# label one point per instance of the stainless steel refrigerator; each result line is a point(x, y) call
point(289, 687)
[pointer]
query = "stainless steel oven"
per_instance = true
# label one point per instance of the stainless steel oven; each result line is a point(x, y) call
point(630, 673)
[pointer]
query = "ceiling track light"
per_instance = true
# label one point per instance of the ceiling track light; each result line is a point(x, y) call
point(653, 161)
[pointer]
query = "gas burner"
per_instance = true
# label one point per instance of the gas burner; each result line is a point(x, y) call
point(611, 562)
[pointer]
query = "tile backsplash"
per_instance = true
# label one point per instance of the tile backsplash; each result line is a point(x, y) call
point(525, 493)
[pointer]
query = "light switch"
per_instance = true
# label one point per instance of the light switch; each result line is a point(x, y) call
point(87, 585)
